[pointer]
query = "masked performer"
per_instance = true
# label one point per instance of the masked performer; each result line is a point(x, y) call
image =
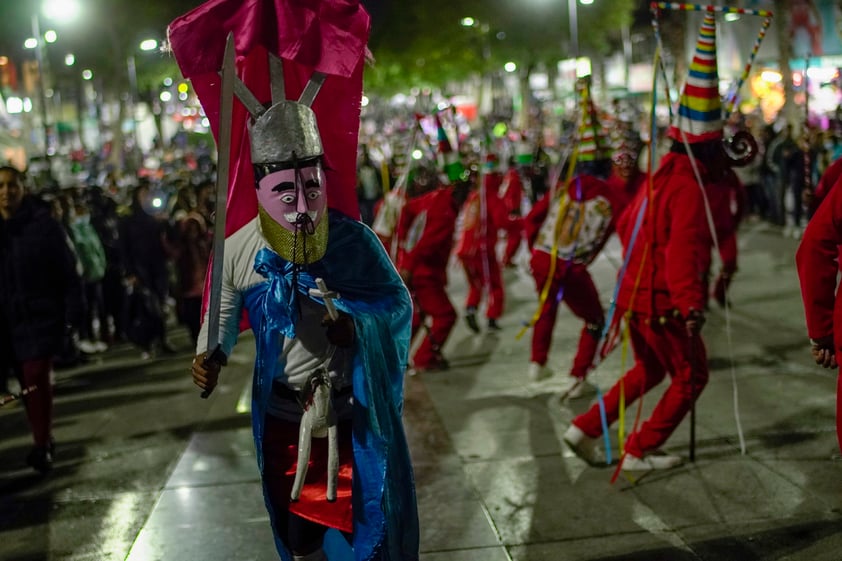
point(565, 235)
point(344, 353)
point(425, 237)
point(661, 292)
point(483, 215)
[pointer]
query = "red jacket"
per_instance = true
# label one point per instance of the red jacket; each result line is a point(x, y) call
point(594, 202)
point(817, 264)
point(726, 197)
point(425, 233)
point(471, 239)
point(675, 230)
point(511, 191)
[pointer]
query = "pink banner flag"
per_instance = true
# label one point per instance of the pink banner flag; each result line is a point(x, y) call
point(327, 36)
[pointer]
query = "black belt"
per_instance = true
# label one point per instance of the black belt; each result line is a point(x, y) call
point(281, 390)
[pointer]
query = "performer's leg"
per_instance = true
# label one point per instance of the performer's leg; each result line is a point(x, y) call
point(646, 373)
point(434, 302)
point(542, 331)
point(496, 294)
point(582, 298)
point(306, 539)
point(688, 381)
point(514, 234)
point(38, 403)
point(473, 274)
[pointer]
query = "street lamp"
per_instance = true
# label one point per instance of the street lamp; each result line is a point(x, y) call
point(59, 11)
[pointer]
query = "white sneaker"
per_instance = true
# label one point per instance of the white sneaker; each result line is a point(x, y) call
point(538, 372)
point(650, 462)
point(586, 448)
point(87, 347)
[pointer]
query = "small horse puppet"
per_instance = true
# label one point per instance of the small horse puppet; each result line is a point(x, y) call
point(319, 421)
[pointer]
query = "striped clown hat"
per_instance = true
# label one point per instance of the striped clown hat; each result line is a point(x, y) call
point(593, 141)
point(700, 107)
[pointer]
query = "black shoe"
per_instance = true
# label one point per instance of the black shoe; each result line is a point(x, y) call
point(41, 459)
point(492, 325)
point(471, 320)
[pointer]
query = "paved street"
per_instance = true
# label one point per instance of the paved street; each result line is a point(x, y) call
point(148, 471)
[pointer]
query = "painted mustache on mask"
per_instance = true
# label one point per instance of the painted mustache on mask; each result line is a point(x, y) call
point(304, 222)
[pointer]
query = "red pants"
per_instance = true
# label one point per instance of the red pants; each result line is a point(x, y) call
point(475, 271)
point(659, 350)
point(514, 235)
point(38, 403)
point(577, 290)
point(430, 297)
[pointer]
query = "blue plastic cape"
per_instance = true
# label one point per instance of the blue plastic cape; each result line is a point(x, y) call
point(371, 291)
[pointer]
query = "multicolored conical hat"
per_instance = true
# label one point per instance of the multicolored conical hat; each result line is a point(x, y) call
point(593, 139)
point(700, 107)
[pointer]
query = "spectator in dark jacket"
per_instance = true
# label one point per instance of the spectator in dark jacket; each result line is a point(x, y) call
point(40, 290)
point(145, 259)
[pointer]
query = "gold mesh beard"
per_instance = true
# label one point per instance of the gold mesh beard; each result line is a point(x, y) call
point(284, 242)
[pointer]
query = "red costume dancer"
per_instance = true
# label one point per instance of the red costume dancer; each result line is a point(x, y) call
point(482, 216)
point(661, 294)
point(511, 196)
point(425, 236)
point(574, 226)
point(726, 197)
point(818, 264)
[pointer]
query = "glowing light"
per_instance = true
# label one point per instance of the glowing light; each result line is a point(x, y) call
point(206, 122)
point(61, 10)
point(183, 87)
point(510, 67)
point(364, 101)
point(771, 76)
point(165, 96)
point(148, 44)
point(50, 36)
point(732, 17)
point(69, 59)
point(30, 43)
point(27, 105)
point(168, 81)
point(87, 74)
point(157, 202)
point(14, 105)
point(417, 154)
point(182, 96)
point(467, 22)
point(586, 2)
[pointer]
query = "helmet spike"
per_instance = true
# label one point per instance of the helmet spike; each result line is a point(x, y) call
point(276, 78)
point(311, 90)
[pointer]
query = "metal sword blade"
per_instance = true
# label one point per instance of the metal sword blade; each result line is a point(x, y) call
point(222, 177)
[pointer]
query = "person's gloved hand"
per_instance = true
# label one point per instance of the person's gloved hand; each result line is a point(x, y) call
point(339, 331)
point(206, 372)
point(823, 352)
point(694, 322)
